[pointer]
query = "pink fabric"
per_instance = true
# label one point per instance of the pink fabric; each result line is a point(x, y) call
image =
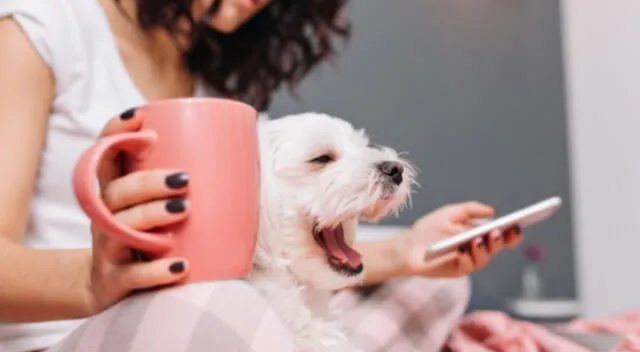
point(408, 315)
point(626, 323)
point(404, 315)
point(493, 331)
point(490, 331)
point(631, 343)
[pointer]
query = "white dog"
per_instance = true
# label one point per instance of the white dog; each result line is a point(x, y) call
point(320, 176)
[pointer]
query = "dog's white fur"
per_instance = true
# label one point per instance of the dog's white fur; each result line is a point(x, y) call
point(290, 269)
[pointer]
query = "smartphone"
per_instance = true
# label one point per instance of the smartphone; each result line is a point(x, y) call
point(525, 217)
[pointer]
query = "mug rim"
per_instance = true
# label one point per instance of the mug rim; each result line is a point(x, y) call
point(196, 101)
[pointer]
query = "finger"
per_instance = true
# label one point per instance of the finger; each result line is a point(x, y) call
point(154, 214)
point(160, 272)
point(479, 255)
point(110, 165)
point(464, 264)
point(144, 186)
point(513, 237)
point(127, 121)
point(493, 242)
point(114, 252)
point(109, 250)
point(142, 217)
point(465, 212)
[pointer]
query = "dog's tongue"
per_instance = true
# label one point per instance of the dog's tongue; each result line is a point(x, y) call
point(339, 249)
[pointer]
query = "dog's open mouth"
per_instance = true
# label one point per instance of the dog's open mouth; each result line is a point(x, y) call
point(340, 255)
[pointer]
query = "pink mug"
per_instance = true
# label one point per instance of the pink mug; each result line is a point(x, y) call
point(215, 142)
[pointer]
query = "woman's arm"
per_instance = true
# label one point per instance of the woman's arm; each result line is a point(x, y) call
point(41, 285)
point(382, 260)
point(35, 285)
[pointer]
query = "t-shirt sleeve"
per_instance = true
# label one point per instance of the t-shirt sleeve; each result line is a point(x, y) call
point(46, 23)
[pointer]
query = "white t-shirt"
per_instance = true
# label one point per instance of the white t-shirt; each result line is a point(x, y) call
point(92, 85)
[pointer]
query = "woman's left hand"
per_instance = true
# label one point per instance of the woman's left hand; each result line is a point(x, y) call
point(446, 222)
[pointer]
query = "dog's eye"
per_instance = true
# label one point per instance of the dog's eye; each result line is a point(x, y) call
point(322, 159)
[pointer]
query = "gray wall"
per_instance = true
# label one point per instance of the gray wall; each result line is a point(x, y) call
point(473, 90)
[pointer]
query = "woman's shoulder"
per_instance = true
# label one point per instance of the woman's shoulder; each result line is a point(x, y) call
point(57, 29)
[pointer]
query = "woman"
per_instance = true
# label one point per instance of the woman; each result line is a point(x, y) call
point(69, 65)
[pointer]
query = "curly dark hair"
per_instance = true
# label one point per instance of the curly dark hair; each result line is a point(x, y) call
point(279, 45)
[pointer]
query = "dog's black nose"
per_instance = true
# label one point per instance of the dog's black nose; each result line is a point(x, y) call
point(392, 169)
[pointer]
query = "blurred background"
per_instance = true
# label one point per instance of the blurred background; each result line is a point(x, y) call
point(508, 103)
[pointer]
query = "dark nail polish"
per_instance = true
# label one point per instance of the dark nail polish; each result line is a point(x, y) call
point(176, 205)
point(177, 180)
point(128, 114)
point(176, 267)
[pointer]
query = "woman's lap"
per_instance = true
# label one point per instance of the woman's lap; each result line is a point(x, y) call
point(216, 316)
point(413, 314)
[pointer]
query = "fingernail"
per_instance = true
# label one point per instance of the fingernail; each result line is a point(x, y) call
point(176, 205)
point(177, 180)
point(128, 114)
point(177, 267)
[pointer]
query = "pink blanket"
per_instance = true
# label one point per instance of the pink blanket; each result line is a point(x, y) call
point(492, 331)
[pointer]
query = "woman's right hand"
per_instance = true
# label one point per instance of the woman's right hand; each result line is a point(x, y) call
point(142, 200)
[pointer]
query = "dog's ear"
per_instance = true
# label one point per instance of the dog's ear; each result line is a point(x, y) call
point(268, 249)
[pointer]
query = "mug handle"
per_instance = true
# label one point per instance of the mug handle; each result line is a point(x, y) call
point(84, 178)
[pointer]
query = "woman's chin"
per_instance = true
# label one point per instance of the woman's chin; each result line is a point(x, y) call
point(225, 24)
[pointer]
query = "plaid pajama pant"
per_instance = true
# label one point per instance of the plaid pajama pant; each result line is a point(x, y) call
point(404, 315)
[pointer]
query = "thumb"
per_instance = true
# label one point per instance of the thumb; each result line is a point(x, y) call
point(110, 166)
point(144, 275)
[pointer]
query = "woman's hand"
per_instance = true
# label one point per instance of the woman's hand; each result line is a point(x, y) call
point(446, 222)
point(141, 200)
